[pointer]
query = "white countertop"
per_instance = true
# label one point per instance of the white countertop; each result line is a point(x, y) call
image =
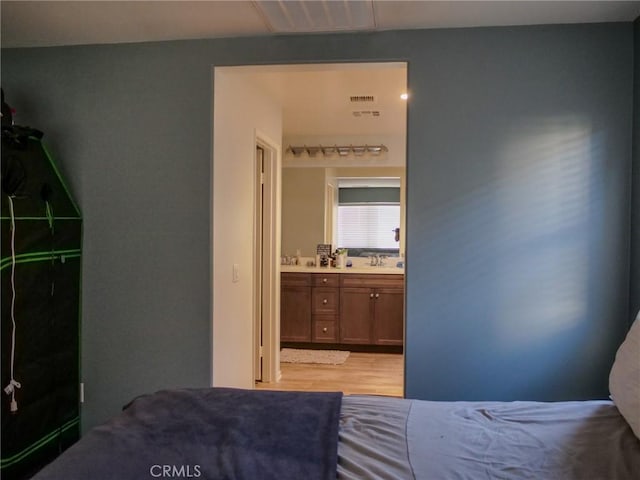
point(390, 270)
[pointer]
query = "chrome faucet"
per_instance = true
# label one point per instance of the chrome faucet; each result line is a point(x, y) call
point(377, 260)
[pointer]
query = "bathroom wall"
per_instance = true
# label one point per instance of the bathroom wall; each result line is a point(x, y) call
point(303, 191)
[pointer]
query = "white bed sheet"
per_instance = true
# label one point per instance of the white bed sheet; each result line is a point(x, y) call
point(386, 438)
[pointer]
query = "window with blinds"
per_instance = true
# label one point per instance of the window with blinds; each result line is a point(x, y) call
point(368, 216)
point(368, 225)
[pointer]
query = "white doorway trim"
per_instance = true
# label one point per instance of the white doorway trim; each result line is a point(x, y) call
point(240, 107)
point(267, 262)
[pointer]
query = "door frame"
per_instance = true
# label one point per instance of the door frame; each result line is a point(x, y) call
point(266, 250)
point(220, 322)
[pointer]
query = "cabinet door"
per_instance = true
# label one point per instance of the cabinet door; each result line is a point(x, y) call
point(295, 314)
point(356, 310)
point(388, 324)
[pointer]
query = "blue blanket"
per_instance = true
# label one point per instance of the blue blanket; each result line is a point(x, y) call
point(214, 433)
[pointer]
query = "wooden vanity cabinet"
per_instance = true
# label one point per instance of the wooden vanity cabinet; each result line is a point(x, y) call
point(295, 307)
point(334, 308)
point(372, 309)
point(325, 307)
point(388, 316)
point(356, 310)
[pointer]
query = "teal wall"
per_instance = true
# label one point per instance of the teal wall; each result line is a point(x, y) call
point(635, 214)
point(519, 153)
point(518, 213)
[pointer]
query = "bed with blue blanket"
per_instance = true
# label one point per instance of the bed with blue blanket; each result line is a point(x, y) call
point(222, 433)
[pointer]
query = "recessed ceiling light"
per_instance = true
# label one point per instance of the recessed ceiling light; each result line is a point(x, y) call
point(404, 96)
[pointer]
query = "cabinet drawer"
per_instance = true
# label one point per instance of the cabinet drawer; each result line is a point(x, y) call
point(325, 300)
point(326, 280)
point(372, 281)
point(325, 329)
point(288, 279)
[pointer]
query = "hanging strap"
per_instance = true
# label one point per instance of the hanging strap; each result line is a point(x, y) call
point(10, 389)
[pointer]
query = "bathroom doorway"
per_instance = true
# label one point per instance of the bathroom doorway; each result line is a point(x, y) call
point(357, 107)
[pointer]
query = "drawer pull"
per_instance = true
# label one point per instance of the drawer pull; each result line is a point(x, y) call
point(377, 295)
point(371, 295)
point(324, 280)
point(324, 301)
point(324, 330)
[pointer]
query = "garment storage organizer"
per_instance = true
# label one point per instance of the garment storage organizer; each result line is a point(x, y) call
point(41, 253)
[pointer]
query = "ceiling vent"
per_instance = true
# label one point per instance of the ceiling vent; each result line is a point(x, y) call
point(302, 16)
point(362, 99)
point(366, 113)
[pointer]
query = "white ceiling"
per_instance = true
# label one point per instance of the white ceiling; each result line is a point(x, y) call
point(48, 23)
point(316, 99)
point(317, 108)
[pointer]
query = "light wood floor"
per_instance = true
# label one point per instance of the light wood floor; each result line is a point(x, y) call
point(362, 373)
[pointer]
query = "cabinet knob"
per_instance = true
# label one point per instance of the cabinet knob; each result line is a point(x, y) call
point(324, 330)
point(324, 280)
point(324, 301)
point(377, 295)
point(371, 295)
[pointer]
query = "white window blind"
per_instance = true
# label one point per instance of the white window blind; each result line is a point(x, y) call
point(368, 225)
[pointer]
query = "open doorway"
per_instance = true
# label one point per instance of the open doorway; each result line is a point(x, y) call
point(338, 123)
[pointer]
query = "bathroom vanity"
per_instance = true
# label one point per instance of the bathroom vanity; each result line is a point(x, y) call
point(361, 306)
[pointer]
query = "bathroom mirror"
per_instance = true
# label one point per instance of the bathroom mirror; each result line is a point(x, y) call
point(315, 211)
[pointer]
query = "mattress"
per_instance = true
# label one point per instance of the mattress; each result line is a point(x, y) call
point(387, 438)
point(248, 434)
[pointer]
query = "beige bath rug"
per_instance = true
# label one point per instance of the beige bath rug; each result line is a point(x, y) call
point(331, 357)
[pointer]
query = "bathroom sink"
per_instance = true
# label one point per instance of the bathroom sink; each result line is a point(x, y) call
point(387, 267)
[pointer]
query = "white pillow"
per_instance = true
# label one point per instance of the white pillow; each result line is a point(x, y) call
point(624, 379)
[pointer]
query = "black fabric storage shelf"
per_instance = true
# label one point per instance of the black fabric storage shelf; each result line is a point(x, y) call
point(40, 269)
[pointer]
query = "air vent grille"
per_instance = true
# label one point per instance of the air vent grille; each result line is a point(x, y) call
point(362, 99)
point(366, 113)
